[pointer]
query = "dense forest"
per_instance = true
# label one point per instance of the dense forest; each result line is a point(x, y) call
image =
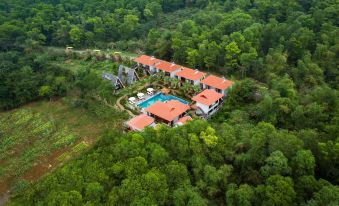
point(274, 142)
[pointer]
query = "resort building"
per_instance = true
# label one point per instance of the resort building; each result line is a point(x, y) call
point(138, 123)
point(116, 82)
point(171, 110)
point(208, 101)
point(147, 62)
point(169, 68)
point(218, 84)
point(191, 76)
point(167, 112)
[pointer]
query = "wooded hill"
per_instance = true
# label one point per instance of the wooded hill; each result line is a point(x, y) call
point(275, 141)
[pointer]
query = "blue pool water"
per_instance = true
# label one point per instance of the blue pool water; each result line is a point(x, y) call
point(159, 97)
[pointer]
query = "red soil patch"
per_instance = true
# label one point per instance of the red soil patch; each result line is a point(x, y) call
point(45, 165)
point(4, 186)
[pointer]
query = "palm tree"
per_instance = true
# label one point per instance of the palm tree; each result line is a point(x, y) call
point(167, 80)
point(186, 87)
point(196, 89)
point(175, 83)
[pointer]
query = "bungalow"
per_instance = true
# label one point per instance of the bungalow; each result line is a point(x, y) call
point(116, 82)
point(190, 75)
point(147, 62)
point(138, 123)
point(208, 101)
point(167, 112)
point(218, 84)
point(169, 68)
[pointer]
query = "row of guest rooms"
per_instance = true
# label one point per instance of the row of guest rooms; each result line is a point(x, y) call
point(208, 101)
point(153, 65)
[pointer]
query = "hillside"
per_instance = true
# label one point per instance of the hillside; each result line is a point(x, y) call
point(269, 136)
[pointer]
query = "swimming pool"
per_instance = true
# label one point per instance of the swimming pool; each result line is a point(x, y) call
point(160, 97)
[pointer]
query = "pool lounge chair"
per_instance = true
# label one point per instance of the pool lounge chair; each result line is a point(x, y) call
point(131, 100)
point(141, 96)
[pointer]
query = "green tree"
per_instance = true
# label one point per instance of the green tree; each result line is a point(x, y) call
point(94, 192)
point(303, 163)
point(276, 164)
point(193, 57)
point(76, 35)
point(152, 10)
point(328, 195)
point(277, 190)
point(46, 91)
point(232, 55)
point(212, 53)
point(242, 195)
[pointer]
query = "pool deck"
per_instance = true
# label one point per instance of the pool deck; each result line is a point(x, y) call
point(146, 97)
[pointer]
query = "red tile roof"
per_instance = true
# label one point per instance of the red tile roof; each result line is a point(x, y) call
point(217, 82)
point(146, 60)
point(169, 110)
point(207, 97)
point(191, 74)
point(184, 119)
point(140, 122)
point(167, 66)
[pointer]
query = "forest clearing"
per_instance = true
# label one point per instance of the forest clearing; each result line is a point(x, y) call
point(39, 136)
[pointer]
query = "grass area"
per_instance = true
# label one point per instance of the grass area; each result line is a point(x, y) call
point(76, 65)
point(35, 131)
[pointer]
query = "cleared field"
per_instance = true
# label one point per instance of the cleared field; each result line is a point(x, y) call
point(38, 137)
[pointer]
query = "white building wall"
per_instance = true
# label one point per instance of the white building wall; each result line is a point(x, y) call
point(224, 92)
point(196, 82)
point(175, 120)
point(152, 69)
point(203, 107)
point(172, 74)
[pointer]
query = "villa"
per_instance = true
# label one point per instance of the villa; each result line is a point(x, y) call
point(147, 62)
point(191, 76)
point(167, 112)
point(138, 123)
point(169, 68)
point(218, 84)
point(208, 101)
point(116, 81)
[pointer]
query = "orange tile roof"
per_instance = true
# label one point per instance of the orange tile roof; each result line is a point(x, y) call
point(217, 82)
point(184, 119)
point(146, 60)
point(140, 122)
point(167, 66)
point(191, 74)
point(207, 97)
point(169, 110)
